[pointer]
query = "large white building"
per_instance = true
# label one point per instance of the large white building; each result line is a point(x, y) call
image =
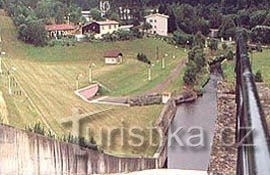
point(159, 23)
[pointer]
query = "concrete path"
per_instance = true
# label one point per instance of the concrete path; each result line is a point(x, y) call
point(173, 75)
point(116, 101)
point(200, 114)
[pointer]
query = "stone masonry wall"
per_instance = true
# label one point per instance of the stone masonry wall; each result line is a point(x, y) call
point(224, 151)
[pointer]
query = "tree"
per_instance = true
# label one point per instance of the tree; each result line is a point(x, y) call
point(224, 46)
point(199, 40)
point(190, 74)
point(228, 27)
point(115, 16)
point(143, 58)
point(181, 38)
point(257, 17)
point(213, 44)
point(33, 32)
point(75, 15)
point(196, 63)
point(229, 55)
point(146, 26)
point(96, 15)
point(261, 35)
point(188, 21)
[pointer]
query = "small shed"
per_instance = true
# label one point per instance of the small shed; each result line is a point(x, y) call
point(113, 57)
point(166, 96)
point(214, 33)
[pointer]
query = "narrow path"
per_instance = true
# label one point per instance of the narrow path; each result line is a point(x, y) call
point(173, 75)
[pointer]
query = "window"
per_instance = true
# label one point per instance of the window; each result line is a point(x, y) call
point(110, 27)
point(151, 20)
point(155, 20)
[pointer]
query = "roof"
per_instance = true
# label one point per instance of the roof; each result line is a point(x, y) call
point(157, 14)
point(214, 30)
point(57, 27)
point(107, 22)
point(112, 53)
point(86, 12)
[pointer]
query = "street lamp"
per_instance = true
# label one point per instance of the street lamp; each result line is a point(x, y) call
point(149, 72)
point(187, 45)
point(176, 47)
point(10, 71)
point(1, 70)
point(163, 61)
point(79, 76)
point(90, 73)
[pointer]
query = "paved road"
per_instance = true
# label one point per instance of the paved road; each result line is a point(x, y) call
point(201, 113)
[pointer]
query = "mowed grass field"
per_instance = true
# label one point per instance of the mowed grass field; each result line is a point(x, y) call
point(260, 61)
point(48, 77)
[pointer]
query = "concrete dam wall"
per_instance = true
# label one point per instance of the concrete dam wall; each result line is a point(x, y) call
point(23, 153)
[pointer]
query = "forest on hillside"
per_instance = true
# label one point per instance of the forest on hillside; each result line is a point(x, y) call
point(187, 17)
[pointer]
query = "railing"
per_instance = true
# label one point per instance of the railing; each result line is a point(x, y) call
point(252, 132)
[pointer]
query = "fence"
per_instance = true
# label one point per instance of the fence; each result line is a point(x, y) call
point(252, 132)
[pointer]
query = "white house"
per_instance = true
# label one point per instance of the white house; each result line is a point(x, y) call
point(159, 23)
point(113, 57)
point(87, 15)
point(101, 27)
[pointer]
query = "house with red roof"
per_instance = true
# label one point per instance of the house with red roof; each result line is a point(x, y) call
point(60, 30)
point(113, 57)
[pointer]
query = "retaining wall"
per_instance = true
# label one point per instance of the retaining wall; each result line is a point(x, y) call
point(24, 153)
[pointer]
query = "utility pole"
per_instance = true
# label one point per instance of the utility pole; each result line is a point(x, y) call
point(77, 80)
point(10, 71)
point(90, 73)
point(157, 53)
point(163, 61)
point(150, 72)
point(1, 71)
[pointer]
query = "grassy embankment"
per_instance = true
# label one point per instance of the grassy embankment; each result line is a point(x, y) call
point(260, 61)
point(48, 77)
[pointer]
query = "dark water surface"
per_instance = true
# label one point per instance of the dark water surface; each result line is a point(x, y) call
point(200, 114)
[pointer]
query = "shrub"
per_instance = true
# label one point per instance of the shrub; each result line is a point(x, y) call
point(229, 55)
point(259, 47)
point(38, 128)
point(213, 44)
point(224, 46)
point(142, 57)
point(181, 38)
point(258, 76)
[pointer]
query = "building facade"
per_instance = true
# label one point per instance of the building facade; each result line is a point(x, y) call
point(60, 30)
point(113, 57)
point(159, 23)
point(101, 27)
